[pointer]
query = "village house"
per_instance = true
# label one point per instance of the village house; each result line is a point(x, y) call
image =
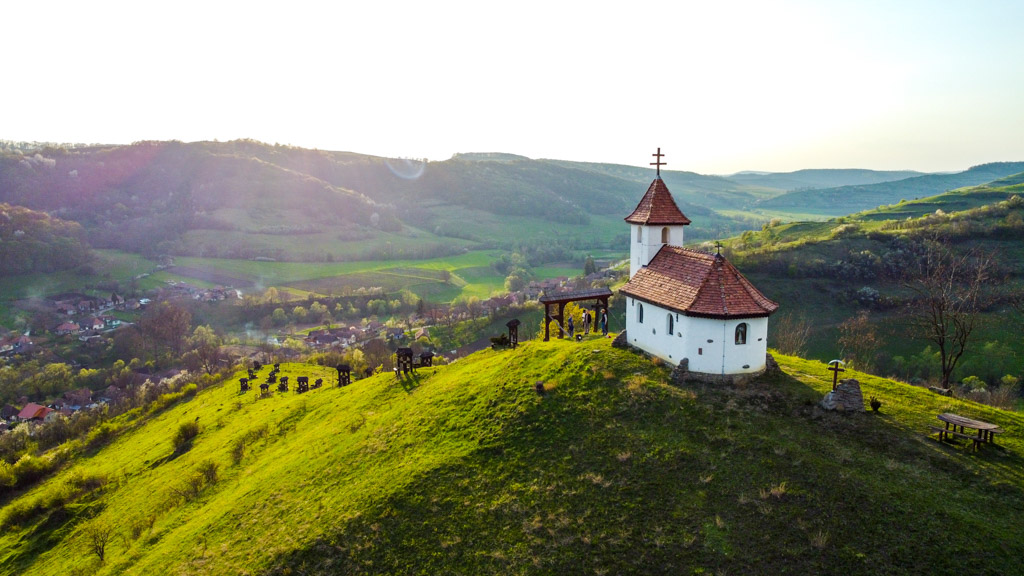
point(88, 305)
point(15, 344)
point(110, 321)
point(498, 303)
point(217, 294)
point(92, 324)
point(66, 328)
point(535, 288)
point(347, 335)
point(320, 338)
point(8, 412)
point(73, 401)
point(685, 306)
point(36, 412)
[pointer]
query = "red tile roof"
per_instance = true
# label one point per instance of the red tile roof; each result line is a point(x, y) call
point(657, 207)
point(32, 410)
point(697, 284)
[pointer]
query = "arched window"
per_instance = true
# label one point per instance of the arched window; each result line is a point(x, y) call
point(640, 313)
point(671, 325)
point(741, 333)
point(639, 233)
point(664, 235)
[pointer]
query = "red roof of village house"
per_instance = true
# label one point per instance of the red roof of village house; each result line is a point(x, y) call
point(32, 410)
point(657, 207)
point(697, 284)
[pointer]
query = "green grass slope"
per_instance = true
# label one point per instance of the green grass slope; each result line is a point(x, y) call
point(957, 200)
point(465, 469)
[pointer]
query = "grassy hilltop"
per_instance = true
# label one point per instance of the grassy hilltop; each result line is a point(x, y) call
point(465, 469)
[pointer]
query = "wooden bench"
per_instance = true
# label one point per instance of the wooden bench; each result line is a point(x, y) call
point(956, 425)
point(943, 433)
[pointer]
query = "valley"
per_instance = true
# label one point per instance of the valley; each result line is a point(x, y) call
point(184, 264)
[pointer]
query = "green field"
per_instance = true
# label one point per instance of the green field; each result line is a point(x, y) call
point(437, 279)
point(465, 469)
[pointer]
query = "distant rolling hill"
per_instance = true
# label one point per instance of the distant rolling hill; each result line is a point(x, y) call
point(247, 199)
point(848, 199)
point(956, 200)
point(820, 178)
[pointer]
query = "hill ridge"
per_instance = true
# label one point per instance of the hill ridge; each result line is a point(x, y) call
point(850, 199)
point(465, 468)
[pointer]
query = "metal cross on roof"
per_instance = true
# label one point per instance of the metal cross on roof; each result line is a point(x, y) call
point(718, 245)
point(658, 163)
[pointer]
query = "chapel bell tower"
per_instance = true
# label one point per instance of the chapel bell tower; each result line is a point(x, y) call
point(657, 221)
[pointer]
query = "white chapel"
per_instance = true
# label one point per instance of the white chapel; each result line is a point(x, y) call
point(687, 305)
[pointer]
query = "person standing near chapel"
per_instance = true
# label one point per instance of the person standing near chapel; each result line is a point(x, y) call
point(586, 322)
point(570, 327)
point(604, 321)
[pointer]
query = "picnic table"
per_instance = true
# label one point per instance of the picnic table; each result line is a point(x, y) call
point(956, 424)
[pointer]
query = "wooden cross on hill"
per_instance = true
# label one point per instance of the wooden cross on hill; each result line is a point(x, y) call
point(834, 367)
point(657, 162)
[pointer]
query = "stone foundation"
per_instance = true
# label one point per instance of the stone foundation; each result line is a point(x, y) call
point(846, 397)
point(681, 374)
point(621, 342)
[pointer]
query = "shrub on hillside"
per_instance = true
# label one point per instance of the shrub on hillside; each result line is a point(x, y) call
point(7, 478)
point(30, 468)
point(185, 435)
point(208, 470)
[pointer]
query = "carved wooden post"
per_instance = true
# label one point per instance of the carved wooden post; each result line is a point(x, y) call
point(513, 332)
point(547, 322)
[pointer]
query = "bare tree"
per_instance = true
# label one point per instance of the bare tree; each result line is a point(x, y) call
point(97, 536)
point(858, 340)
point(949, 293)
point(791, 334)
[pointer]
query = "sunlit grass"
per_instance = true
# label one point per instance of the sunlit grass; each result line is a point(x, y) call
point(467, 469)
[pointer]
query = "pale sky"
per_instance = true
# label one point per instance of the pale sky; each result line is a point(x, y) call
point(719, 86)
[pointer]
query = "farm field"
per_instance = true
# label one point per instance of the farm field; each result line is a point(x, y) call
point(438, 279)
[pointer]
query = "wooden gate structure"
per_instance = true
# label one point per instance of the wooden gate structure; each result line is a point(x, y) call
point(560, 299)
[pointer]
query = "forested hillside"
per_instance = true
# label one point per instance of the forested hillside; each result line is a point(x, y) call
point(828, 273)
point(246, 199)
point(32, 241)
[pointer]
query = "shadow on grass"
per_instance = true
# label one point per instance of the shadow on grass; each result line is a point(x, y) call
point(903, 432)
point(408, 382)
point(46, 535)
